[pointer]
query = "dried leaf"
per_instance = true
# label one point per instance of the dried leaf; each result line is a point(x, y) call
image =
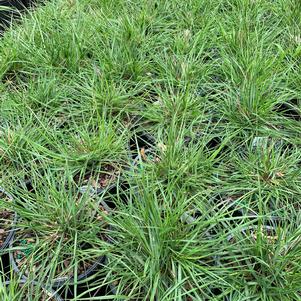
point(142, 153)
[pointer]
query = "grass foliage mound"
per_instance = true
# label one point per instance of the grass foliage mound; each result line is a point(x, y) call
point(150, 150)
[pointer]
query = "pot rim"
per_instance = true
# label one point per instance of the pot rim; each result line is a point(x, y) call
point(60, 281)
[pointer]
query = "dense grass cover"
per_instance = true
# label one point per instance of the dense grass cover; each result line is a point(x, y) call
point(209, 207)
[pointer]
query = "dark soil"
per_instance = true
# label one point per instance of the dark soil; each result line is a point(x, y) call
point(6, 219)
point(98, 180)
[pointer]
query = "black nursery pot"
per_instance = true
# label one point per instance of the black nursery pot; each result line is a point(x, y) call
point(28, 185)
point(17, 4)
point(140, 140)
point(70, 280)
point(10, 236)
point(288, 109)
point(59, 282)
point(48, 292)
point(233, 208)
point(14, 8)
point(118, 186)
point(89, 290)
